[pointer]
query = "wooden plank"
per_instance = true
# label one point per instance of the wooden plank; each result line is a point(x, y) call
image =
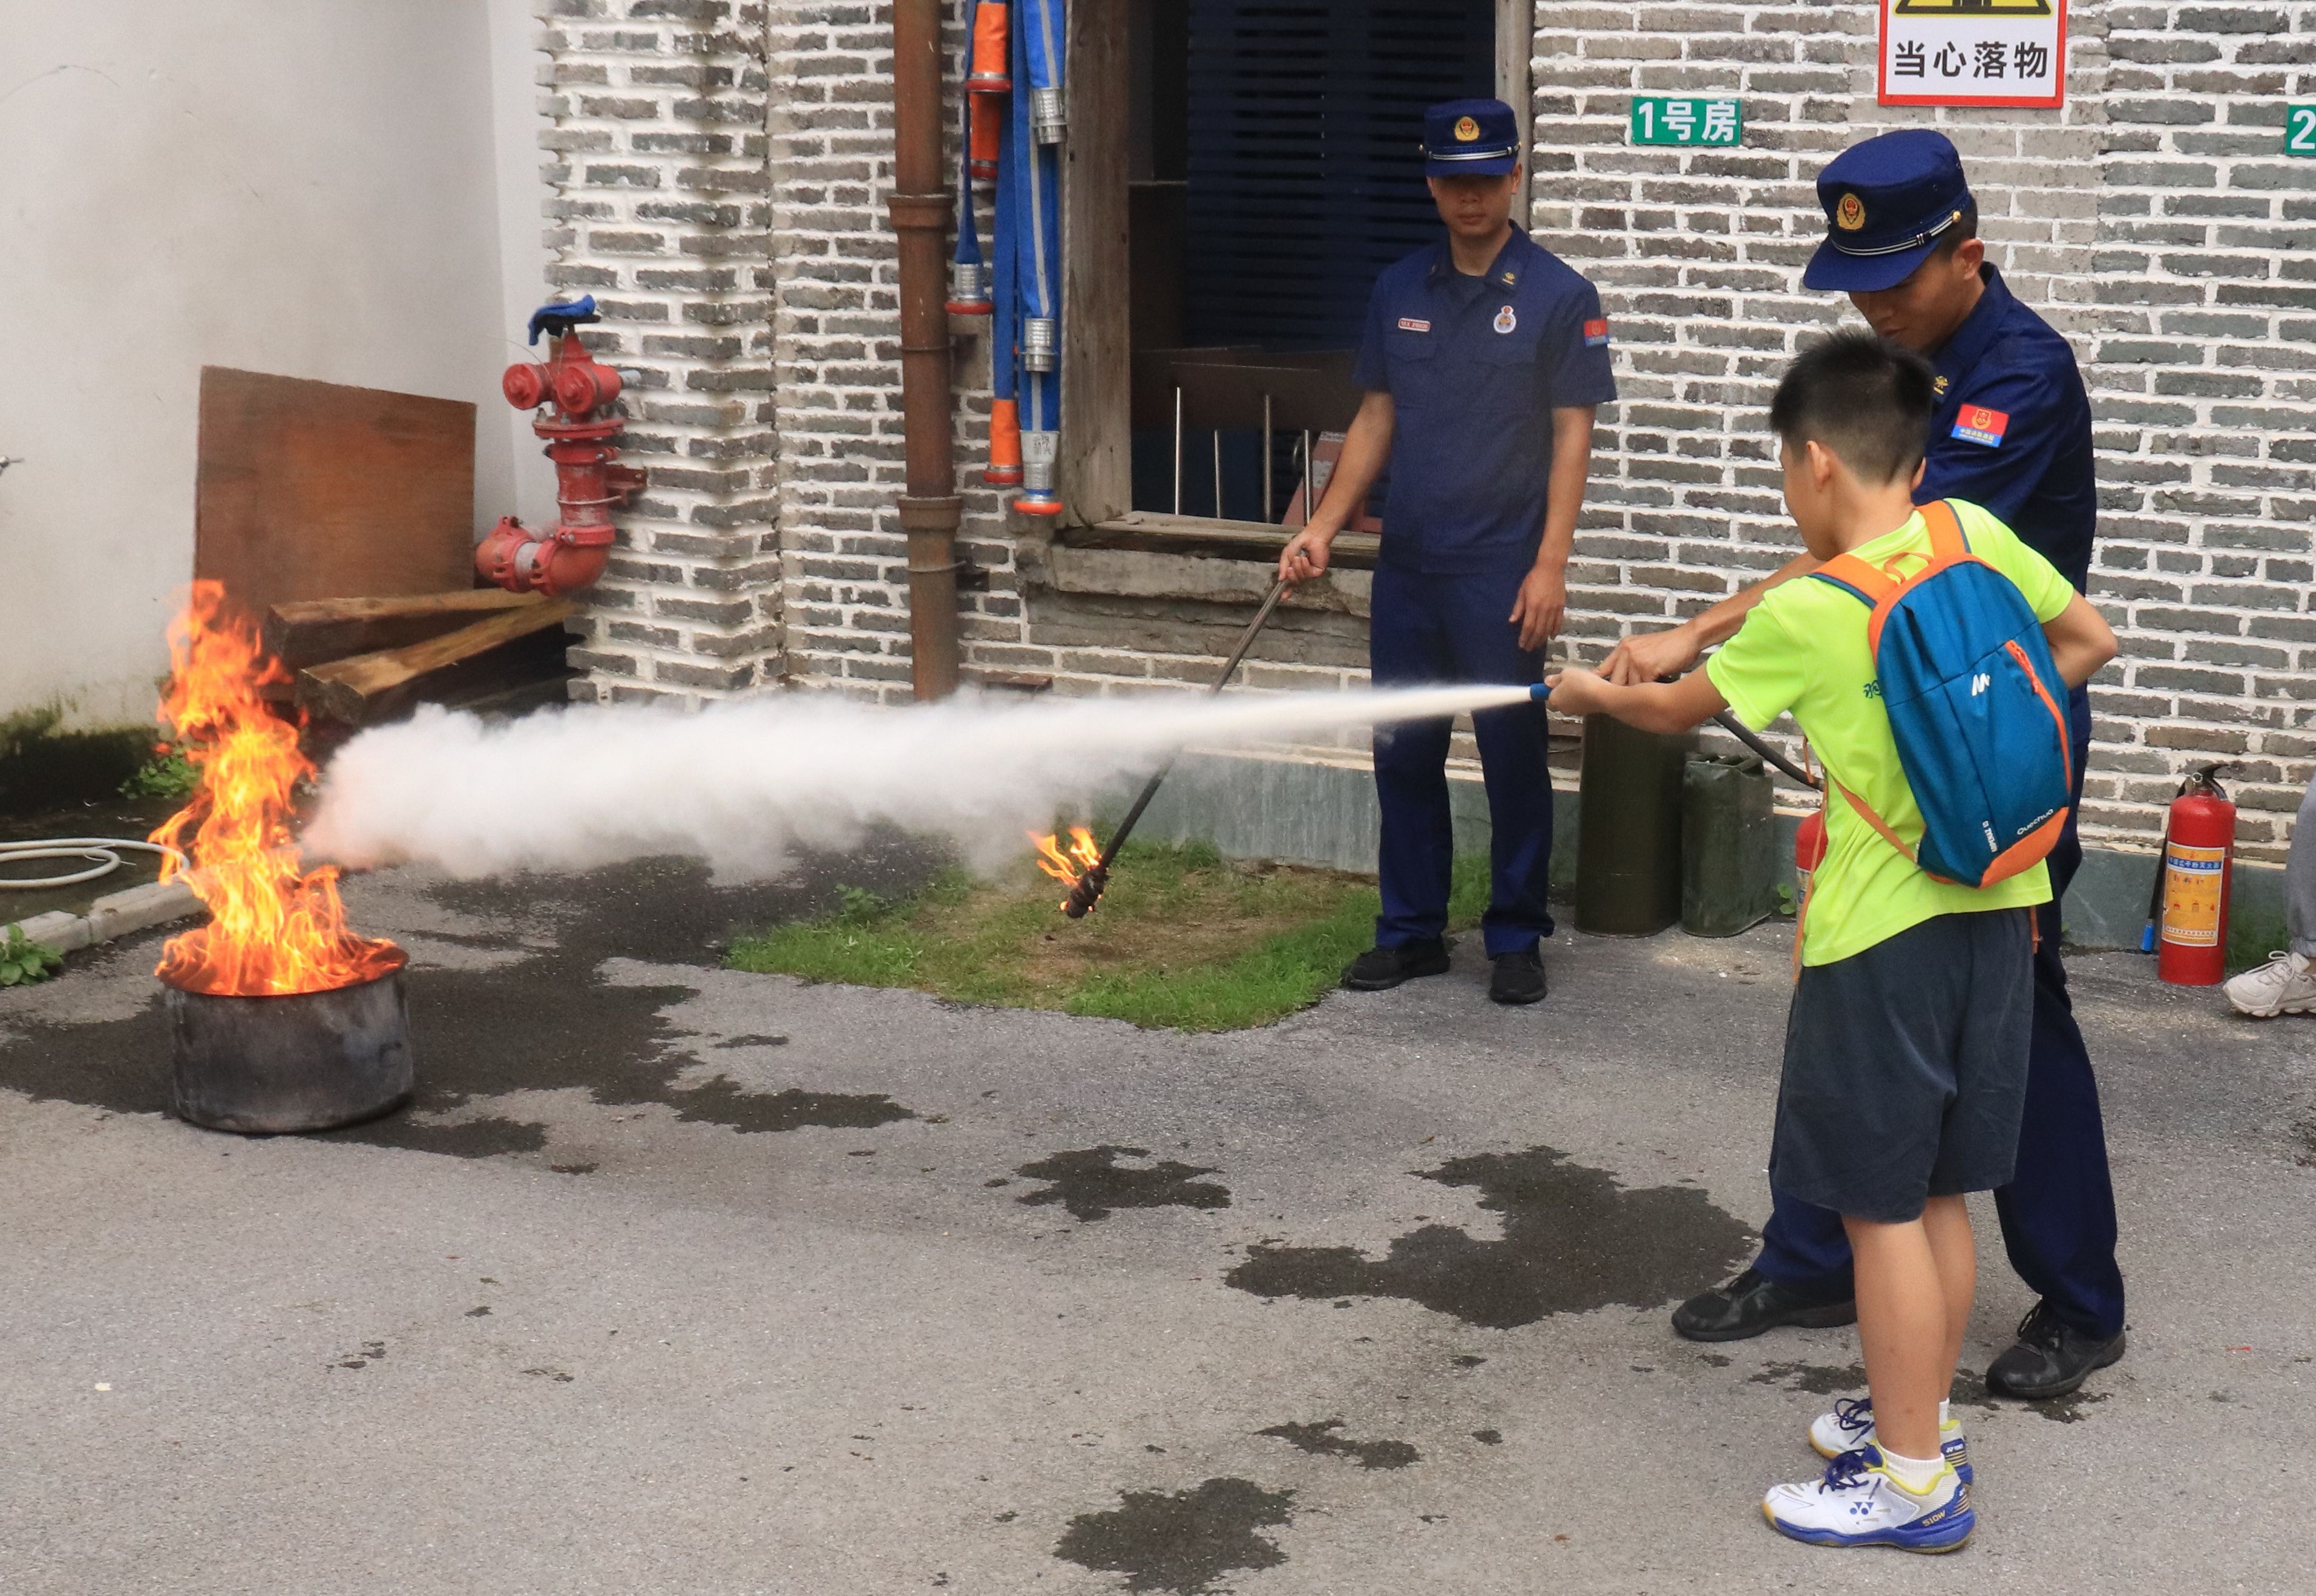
point(370, 688)
point(309, 631)
point(316, 490)
point(1096, 466)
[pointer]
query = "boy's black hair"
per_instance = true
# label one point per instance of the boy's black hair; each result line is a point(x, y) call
point(1866, 398)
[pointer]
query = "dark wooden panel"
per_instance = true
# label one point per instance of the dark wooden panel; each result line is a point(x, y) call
point(314, 490)
point(1096, 466)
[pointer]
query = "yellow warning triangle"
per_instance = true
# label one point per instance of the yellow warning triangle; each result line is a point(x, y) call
point(1969, 8)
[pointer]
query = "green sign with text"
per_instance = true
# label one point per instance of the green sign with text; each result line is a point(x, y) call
point(2300, 129)
point(1662, 119)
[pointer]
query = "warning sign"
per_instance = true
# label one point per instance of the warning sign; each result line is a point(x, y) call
point(1973, 52)
point(1947, 7)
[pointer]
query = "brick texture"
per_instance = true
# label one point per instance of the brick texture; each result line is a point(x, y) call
point(718, 174)
point(2153, 219)
point(653, 117)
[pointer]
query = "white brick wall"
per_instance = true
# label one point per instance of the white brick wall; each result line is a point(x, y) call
point(2152, 219)
point(653, 124)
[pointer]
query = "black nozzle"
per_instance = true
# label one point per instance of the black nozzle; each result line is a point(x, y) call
point(1087, 893)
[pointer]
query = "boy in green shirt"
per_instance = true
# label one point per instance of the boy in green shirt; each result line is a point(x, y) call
point(1906, 1045)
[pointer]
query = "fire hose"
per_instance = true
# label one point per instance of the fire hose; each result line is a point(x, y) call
point(102, 853)
point(1089, 888)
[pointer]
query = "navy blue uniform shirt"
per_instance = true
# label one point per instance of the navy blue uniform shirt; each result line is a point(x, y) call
point(2012, 430)
point(1475, 367)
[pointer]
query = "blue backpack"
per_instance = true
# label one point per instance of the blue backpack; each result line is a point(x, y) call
point(1976, 707)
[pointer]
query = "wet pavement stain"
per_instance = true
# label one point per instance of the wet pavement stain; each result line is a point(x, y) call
point(1182, 1541)
point(1819, 1379)
point(478, 1034)
point(2069, 1409)
point(372, 1351)
point(1319, 1439)
point(1573, 1240)
point(1091, 1184)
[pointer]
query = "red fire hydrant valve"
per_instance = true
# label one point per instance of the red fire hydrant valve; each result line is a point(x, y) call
point(588, 481)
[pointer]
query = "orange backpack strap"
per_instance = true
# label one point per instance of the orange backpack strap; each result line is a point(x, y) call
point(1866, 814)
point(1946, 539)
point(1869, 582)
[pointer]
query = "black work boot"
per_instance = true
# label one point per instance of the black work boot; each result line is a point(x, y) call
point(1752, 1303)
point(1380, 969)
point(1519, 978)
point(2050, 1359)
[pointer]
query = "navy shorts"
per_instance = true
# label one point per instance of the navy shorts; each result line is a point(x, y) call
point(1906, 1068)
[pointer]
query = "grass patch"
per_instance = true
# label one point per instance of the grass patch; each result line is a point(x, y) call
point(1183, 939)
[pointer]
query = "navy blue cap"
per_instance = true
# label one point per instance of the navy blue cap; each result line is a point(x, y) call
point(1887, 203)
point(1470, 139)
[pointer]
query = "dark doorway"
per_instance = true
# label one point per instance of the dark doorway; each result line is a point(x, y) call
point(1275, 171)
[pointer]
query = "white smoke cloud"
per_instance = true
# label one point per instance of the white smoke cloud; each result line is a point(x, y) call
point(744, 784)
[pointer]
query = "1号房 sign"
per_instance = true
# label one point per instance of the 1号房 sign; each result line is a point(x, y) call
point(1973, 52)
point(1660, 118)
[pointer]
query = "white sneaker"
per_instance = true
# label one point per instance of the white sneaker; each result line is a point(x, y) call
point(1859, 1503)
point(1850, 1425)
point(2284, 985)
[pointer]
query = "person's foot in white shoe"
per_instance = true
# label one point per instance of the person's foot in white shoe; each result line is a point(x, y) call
point(2284, 985)
point(1850, 1425)
point(1861, 1502)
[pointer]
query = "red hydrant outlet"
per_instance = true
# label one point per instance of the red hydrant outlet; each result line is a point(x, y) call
point(588, 481)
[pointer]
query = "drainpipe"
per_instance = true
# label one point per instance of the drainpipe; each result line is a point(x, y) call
point(921, 208)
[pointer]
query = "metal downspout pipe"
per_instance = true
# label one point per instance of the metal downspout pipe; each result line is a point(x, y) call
point(921, 208)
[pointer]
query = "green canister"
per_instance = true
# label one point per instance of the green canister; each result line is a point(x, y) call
point(1728, 844)
point(1629, 829)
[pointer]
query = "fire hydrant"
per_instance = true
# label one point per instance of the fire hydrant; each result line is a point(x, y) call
point(589, 481)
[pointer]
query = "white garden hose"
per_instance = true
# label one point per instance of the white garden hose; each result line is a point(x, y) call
point(101, 854)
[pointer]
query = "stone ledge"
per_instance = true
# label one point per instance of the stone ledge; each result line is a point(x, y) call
point(118, 914)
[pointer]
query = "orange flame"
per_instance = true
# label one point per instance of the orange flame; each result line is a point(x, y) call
point(274, 928)
point(1067, 864)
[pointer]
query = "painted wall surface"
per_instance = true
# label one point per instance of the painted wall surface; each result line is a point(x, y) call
point(312, 190)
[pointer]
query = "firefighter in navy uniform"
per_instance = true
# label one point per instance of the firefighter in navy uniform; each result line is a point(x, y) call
point(1484, 357)
point(2012, 433)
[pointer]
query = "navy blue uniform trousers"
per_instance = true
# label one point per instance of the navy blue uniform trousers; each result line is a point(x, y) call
point(2058, 1211)
point(1427, 629)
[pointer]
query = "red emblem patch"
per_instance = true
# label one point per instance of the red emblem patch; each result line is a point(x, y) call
point(1978, 424)
point(1596, 334)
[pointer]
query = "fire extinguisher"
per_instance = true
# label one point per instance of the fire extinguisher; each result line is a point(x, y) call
point(2199, 846)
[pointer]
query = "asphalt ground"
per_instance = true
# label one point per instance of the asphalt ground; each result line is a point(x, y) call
point(679, 1280)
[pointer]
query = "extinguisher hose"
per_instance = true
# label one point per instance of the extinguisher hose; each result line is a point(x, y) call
point(1737, 728)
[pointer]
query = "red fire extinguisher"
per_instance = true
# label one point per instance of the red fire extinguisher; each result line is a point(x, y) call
point(2199, 846)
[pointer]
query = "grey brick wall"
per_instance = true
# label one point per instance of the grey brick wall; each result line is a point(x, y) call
point(2202, 296)
point(2152, 219)
point(718, 173)
point(654, 123)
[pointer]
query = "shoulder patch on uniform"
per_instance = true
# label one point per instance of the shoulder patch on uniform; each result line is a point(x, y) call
point(1596, 332)
point(1505, 320)
point(1978, 424)
point(1411, 324)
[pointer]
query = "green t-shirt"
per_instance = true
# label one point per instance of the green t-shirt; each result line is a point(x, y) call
point(1803, 649)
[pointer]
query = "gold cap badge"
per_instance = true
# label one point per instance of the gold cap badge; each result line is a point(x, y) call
point(1467, 129)
point(1850, 216)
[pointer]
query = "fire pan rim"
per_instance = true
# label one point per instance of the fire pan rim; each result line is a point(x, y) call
point(399, 957)
point(284, 1063)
